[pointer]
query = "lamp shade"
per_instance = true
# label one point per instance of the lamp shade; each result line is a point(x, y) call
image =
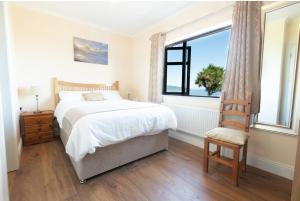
point(23, 91)
point(29, 91)
point(35, 90)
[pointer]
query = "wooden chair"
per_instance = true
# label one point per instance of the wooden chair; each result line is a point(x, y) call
point(226, 136)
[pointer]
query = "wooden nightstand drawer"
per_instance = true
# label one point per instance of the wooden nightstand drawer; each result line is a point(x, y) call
point(28, 121)
point(38, 128)
point(46, 136)
point(38, 137)
point(28, 138)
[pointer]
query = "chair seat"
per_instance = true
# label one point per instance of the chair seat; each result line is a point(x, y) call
point(228, 135)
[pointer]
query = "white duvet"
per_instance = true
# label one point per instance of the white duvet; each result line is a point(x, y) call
point(117, 122)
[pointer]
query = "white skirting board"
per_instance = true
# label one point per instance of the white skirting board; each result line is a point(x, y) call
point(281, 169)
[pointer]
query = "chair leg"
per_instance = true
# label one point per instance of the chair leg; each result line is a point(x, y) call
point(235, 168)
point(219, 151)
point(205, 155)
point(245, 156)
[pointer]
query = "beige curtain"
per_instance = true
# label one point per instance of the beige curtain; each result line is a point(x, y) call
point(243, 64)
point(156, 67)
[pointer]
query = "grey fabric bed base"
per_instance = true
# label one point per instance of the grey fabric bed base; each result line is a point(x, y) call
point(112, 156)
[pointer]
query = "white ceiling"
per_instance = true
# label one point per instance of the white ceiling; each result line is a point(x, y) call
point(129, 18)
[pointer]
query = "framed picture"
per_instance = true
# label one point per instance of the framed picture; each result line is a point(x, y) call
point(90, 51)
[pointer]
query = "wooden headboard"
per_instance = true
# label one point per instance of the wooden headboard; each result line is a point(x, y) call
point(72, 86)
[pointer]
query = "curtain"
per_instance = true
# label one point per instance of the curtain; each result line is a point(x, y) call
point(242, 74)
point(156, 67)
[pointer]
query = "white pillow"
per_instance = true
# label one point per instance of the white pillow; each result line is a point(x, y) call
point(111, 95)
point(93, 96)
point(71, 95)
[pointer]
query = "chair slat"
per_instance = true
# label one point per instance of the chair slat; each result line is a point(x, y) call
point(234, 112)
point(234, 124)
point(219, 160)
point(235, 101)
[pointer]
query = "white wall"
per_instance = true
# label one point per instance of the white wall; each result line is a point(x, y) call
point(7, 86)
point(42, 47)
point(4, 195)
point(3, 162)
point(275, 150)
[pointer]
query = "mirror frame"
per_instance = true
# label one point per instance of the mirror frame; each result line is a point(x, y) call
point(290, 128)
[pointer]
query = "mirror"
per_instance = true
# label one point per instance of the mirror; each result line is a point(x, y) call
point(279, 63)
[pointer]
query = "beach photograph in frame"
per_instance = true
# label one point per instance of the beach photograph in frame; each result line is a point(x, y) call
point(90, 51)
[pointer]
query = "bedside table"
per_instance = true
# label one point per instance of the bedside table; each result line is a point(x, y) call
point(37, 127)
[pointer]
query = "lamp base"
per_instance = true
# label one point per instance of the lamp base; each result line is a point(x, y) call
point(37, 105)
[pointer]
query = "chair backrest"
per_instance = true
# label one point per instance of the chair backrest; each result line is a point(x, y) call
point(230, 112)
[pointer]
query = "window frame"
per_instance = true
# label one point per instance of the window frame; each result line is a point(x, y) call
point(186, 65)
point(185, 68)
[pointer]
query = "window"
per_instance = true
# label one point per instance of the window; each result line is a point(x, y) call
point(186, 60)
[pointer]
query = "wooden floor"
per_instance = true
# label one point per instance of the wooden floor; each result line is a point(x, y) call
point(46, 174)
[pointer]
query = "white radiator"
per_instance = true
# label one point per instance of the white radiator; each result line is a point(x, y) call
point(194, 120)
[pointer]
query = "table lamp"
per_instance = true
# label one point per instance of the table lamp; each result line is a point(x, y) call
point(30, 91)
point(35, 90)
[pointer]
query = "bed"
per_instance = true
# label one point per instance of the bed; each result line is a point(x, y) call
point(103, 135)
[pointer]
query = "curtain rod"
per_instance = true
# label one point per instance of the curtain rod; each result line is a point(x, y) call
point(198, 19)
